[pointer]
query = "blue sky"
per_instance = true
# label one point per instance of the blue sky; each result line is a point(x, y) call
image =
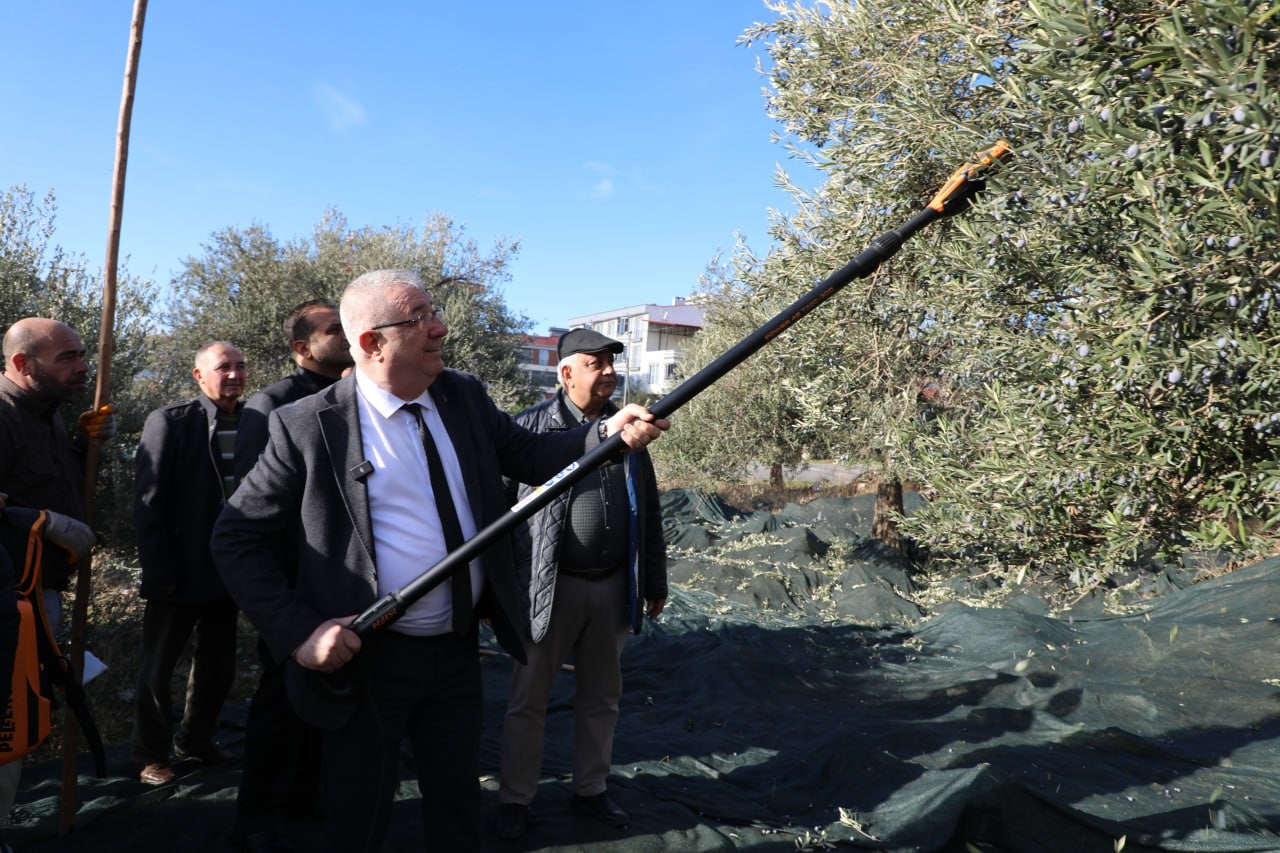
point(622, 143)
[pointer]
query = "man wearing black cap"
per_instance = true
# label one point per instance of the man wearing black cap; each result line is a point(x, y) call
point(594, 563)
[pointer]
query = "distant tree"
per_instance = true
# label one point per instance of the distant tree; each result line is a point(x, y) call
point(246, 281)
point(748, 417)
point(240, 290)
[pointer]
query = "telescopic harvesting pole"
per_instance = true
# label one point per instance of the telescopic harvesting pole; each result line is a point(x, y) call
point(952, 198)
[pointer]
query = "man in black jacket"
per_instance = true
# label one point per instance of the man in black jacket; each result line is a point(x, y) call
point(594, 563)
point(313, 332)
point(281, 753)
point(184, 476)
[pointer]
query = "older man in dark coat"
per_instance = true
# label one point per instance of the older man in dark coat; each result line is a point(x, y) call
point(594, 562)
point(184, 476)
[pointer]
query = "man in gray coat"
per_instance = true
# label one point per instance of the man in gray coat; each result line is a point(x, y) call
point(373, 477)
point(594, 562)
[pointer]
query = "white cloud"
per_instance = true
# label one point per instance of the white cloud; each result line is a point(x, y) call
point(339, 110)
point(602, 188)
point(605, 180)
point(600, 180)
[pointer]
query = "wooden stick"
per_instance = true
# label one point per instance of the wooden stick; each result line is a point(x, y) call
point(101, 396)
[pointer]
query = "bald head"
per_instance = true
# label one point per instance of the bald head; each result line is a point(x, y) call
point(220, 373)
point(31, 333)
point(46, 358)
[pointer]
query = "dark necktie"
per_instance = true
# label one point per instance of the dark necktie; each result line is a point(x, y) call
point(453, 539)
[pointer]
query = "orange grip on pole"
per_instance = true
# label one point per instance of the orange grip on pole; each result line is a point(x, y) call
point(952, 189)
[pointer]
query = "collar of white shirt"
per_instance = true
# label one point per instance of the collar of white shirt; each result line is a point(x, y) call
point(383, 401)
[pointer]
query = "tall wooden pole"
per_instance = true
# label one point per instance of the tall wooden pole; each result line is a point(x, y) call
point(101, 396)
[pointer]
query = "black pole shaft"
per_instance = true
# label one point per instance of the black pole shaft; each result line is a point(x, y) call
point(880, 250)
point(392, 606)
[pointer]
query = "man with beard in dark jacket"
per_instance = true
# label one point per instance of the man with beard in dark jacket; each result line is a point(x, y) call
point(41, 463)
point(313, 331)
point(594, 563)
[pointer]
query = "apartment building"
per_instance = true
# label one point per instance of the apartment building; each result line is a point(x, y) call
point(538, 359)
point(654, 338)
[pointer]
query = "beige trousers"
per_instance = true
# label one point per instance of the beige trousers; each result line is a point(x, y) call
point(588, 618)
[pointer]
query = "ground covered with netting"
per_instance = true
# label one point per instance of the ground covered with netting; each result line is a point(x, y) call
point(805, 689)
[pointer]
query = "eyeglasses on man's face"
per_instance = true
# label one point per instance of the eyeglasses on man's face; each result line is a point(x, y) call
point(435, 315)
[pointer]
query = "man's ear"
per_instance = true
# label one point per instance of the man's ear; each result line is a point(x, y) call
point(19, 361)
point(301, 349)
point(369, 342)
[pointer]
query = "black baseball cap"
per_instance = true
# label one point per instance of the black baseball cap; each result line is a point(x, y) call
point(586, 340)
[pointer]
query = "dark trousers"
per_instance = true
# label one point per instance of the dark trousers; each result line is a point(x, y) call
point(166, 628)
point(428, 690)
point(281, 757)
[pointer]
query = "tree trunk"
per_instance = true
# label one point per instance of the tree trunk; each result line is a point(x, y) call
point(775, 476)
point(884, 526)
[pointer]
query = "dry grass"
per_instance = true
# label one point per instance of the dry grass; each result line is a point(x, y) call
point(754, 495)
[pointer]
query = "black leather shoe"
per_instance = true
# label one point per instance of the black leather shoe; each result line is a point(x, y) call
point(601, 808)
point(512, 822)
point(259, 842)
point(209, 754)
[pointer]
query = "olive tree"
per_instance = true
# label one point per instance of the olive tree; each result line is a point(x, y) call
point(1098, 334)
point(246, 281)
point(1142, 241)
point(854, 377)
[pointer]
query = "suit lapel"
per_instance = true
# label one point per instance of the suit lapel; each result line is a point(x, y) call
point(453, 413)
point(340, 431)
